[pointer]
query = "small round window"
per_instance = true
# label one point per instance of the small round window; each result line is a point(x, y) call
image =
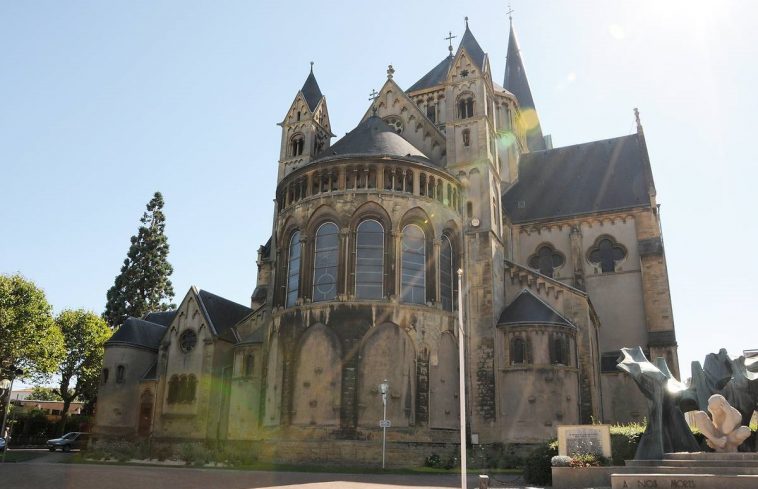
point(188, 340)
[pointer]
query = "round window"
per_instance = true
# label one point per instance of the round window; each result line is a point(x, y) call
point(395, 124)
point(188, 340)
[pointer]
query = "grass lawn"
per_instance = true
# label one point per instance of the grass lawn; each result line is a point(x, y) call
point(22, 456)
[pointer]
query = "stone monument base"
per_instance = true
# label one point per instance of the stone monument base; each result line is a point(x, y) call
point(690, 470)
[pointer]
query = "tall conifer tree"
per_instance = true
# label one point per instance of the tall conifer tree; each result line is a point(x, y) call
point(143, 284)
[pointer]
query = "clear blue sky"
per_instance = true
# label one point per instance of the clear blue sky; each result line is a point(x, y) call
point(103, 103)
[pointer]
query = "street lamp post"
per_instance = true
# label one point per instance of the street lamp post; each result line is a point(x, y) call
point(14, 372)
point(461, 378)
point(384, 388)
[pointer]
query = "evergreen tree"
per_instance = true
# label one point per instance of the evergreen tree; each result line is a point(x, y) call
point(143, 284)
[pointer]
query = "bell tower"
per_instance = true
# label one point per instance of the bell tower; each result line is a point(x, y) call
point(471, 133)
point(306, 130)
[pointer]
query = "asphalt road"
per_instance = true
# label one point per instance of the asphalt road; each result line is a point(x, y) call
point(46, 472)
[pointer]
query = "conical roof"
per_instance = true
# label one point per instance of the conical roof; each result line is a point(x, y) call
point(517, 83)
point(473, 48)
point(373, 137)
point(311, 91)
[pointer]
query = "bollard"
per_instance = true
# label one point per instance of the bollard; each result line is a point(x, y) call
point(484, 482)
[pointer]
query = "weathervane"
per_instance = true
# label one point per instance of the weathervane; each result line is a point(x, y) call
point(450, 38)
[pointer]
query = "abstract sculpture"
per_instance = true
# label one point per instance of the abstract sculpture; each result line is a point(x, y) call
point(723, 433)
point(666, 430)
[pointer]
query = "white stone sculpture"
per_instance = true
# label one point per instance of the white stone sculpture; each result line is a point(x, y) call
point(722, 430)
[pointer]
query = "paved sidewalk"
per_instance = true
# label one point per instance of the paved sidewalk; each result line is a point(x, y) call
point(39, 474)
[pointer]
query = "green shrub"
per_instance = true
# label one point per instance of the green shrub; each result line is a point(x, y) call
point(588, 460)
point(433, 461)
point(162, 452)
point(195, 454)
point(624, 441)
point(236, 455)
point(537, 468)
point(120, 450)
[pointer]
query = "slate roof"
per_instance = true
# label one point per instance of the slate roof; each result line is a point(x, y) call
point(516, 82)
point(222, 313)
point(138, 332)
point(472, 47)
point(604, 175)
point(530, 309)
point(163, 318)
point(435, 77)
point(311, 91)
point(152, 373)
point(373, 137)
point(266, 249)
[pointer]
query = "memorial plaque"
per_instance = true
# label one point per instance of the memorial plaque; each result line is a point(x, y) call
point(584, 439)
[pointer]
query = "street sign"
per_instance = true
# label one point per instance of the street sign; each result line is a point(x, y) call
point(385, 423)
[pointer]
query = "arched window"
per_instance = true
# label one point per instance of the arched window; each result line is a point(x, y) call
point(519, 351)
point(606, 253)
point(249, 364)
point(466, 107)
point(296, 145)
point(293, 269)
point(105, 376)
point(120, 374)
point(191, 388)
point(559, 350)
point(466, 137)
point(447, 275)
point(369, 260)
point(413, 263)
point(325, 257)
point(173, 389)
point(546, 260)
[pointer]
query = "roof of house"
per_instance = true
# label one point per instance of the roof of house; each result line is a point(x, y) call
point(138, 332)
point(598, 176)
point(163, 318)
point(435, 77)
point(222, 313)
point(373, 136)
point(527, 308)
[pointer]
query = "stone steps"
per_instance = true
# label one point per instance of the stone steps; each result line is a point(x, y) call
point(683, 480)
point(691, 463)
point(696, 470)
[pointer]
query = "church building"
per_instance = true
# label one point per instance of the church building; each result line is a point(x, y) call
point(562, 263)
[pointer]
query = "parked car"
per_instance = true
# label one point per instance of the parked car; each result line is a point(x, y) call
point(2, 444)
point(75, 439)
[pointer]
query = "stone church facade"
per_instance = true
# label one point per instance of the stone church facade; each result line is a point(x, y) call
point(562, 258)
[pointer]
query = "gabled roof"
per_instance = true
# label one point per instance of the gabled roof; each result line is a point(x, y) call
point(516, 82)
point(311, 91)
point(222, 313)
point(472, 47)
point(435, 77)
point(373, 136)
point(527, 308)
point(163, 318)
point(598, 176)
point(138, 333)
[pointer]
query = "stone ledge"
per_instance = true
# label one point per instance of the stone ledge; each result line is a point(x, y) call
point(700, 481)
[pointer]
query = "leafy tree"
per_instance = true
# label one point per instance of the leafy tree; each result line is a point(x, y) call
point(29, 339)
point(143, 284)
point(84, 336)
point(41, 393)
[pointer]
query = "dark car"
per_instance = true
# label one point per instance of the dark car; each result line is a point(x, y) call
point(2, 444)
point(75, 439)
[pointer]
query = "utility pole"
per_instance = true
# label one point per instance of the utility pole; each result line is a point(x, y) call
point(461, 378)
point(384, 388)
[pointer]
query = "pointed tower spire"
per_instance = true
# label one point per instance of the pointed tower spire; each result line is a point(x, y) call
point(517, 83)
point(472, 47)
point(311, 90)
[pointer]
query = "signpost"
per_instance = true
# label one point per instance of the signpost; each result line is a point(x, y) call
point(384, 423)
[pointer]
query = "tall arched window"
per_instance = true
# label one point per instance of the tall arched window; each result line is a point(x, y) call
point(369, 260)
point(413, 263)
point(296, 145)
point(120, 374)
point(466, 107)
point(249, 364)
point(325, 257)
point(447, 274)
point(519, 351)
point(559, 349)
point(293, 269)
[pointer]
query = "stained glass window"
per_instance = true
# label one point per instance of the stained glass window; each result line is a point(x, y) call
point(369, 260)
point(293, 269)
point(325, 262)
point(413, 263)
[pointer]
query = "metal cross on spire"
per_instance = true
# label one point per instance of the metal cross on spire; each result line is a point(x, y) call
point(466, 19)
point(372, 97)
point(450, 38)
point(311, 66)
point(510, 12)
